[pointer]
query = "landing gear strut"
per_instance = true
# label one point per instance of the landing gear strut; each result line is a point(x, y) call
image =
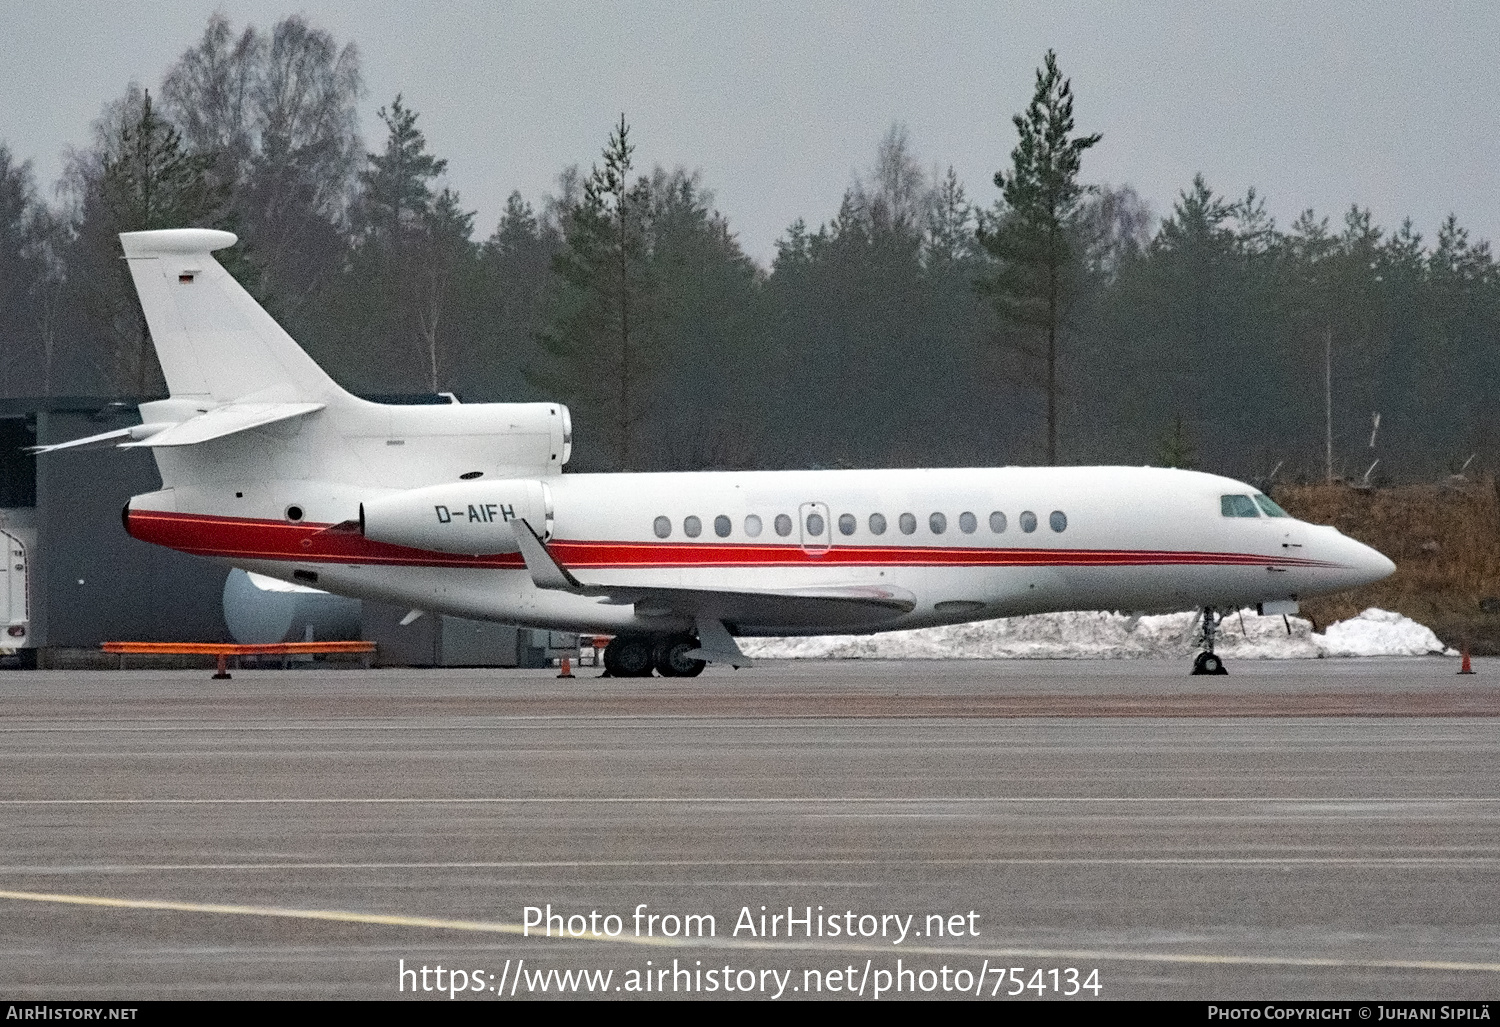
point(1207, 662)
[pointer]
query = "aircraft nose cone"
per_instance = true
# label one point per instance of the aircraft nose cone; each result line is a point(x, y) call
point(1371, 564)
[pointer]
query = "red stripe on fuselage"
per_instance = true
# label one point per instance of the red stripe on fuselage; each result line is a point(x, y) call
point(241, 538)
point(246, 539)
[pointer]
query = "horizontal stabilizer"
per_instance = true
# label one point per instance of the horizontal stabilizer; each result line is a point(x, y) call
point(108, 438)
point(119, 437)
point(225, 420)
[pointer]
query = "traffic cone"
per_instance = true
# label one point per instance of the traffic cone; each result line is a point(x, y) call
point(1466, 668)
point(567, 668)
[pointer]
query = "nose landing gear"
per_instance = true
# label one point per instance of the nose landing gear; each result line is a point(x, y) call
point(1207, 662)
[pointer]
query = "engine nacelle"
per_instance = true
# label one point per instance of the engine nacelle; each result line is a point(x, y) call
point(472, 518)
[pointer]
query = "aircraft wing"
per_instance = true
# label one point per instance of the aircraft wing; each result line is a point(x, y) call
point(850, 606)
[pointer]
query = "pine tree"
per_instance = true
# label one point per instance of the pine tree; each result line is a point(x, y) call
point(1031, 237)
point(950, 225)
point(397, 190)
point(152, 181)
point(412, 261)
point(138, 177)
point(601, 328)
point(1175, 447)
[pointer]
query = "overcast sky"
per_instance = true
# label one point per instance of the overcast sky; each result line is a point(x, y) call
point(1392, 106)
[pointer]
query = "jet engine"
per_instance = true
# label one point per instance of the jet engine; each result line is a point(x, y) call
point(472, 518)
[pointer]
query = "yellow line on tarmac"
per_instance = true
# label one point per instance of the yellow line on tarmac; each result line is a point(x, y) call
point(493, 927)
point(337, 915)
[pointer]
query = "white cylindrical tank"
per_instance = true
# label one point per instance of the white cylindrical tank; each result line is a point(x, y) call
point(261, 610)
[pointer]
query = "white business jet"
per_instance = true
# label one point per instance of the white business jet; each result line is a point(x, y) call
point(268, 465)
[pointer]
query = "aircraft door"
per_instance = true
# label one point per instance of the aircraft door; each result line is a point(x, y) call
point(816, 528)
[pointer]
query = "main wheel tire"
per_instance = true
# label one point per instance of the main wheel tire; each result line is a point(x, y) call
point(1208, 663)
point(629, 656)
point(672, 659)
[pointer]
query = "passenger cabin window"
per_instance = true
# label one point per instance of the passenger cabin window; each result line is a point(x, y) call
point(938, 523)
point(1028, 521)
point(967, 523)
point(997, 522)
point(692, 527)
point(815, 524)
point(1269, 508)
point(662, 526)
point(752, 526)
point(847, 524)
point(1058, 521)
point(908, 523)
point(783, 525)
point(1238, 506)
point(877, 524)
point(721, 526)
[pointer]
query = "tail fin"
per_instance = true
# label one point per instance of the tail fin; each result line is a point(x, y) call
point(212, 339)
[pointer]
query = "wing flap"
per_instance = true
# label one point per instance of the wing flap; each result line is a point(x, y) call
point(830, 607)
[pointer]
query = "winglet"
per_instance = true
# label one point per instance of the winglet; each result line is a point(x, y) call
point(545, 571)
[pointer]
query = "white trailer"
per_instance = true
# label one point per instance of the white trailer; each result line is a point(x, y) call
point(18, 537)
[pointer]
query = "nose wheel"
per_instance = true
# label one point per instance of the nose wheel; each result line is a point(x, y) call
point(1207, 662)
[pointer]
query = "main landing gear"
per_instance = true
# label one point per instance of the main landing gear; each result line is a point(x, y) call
point(1207, 662)
point(636, 656)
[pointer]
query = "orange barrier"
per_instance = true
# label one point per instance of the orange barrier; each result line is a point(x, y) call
point(224, 650)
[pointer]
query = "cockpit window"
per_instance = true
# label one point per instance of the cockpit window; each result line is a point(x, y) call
point(1237, 506)
point(1269, 508)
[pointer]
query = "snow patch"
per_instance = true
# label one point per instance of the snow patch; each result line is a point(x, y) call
point(1381, 633)
point(1114, 636)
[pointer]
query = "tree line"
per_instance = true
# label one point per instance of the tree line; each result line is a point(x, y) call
point(1065, 323)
